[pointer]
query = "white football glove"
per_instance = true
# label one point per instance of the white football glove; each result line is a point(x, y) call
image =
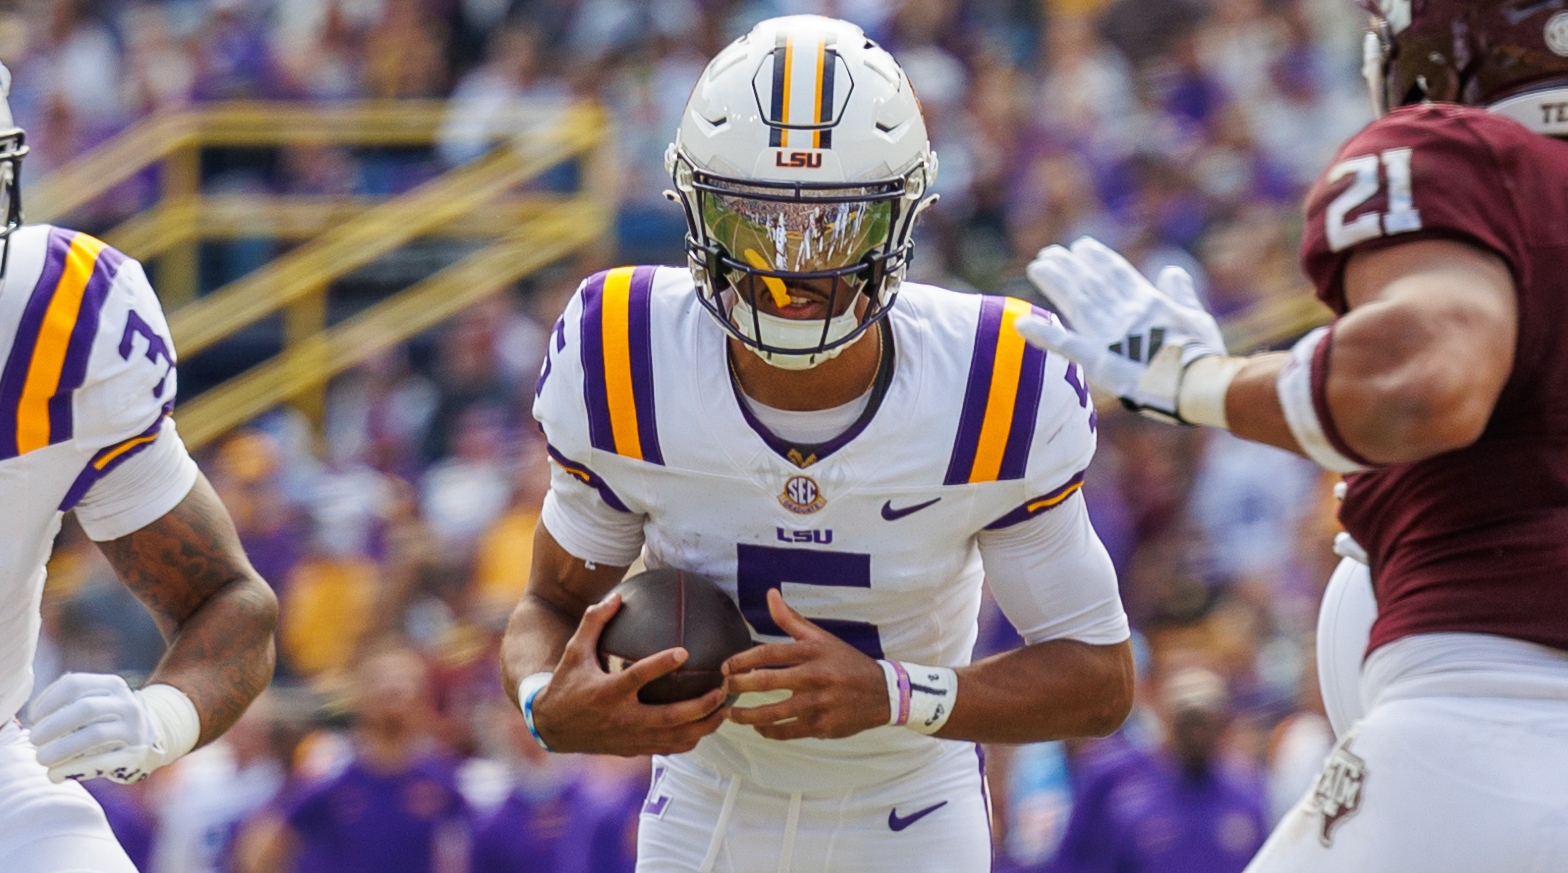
point(91, 725)
point(1130, 337)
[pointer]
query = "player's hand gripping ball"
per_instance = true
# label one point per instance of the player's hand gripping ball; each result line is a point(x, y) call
point(663, 609)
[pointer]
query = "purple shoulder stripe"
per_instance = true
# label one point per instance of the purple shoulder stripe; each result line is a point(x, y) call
point(600, 432)
point(640, 345)
point(1039, 505)
point(80, 347)
point(972, 416)
point(13, 379)
point(1026, 409)
point(589, 478)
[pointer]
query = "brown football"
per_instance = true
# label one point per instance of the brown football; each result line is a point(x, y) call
point(662, 609)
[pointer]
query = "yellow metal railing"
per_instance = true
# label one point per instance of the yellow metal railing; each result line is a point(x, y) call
point(523, 231)
point(317, 358)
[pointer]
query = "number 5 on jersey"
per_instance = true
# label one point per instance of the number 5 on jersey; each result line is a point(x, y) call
point(762, 567)
point(1402, 215)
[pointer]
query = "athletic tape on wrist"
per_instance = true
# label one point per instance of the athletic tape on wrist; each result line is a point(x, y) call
point(921, 698)
point(175, 721)
point(1204, 385)
point(1298, 396)
point(527, 690)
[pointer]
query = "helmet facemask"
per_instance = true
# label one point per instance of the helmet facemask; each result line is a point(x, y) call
point(13, 147)
point(835, 252)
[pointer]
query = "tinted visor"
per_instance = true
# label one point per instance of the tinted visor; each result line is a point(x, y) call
point(812, 235)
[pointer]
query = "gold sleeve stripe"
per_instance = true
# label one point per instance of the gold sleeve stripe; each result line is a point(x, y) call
point(618, 363)
point(54, 338)
point(109, 456)
point(1006, 372)
point(1055, 499)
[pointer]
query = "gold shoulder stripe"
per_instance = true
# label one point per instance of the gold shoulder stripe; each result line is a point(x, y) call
point(54, 337)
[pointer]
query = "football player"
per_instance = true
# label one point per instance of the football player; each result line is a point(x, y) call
point(1441, 392)
point(848, 454)
point(85, 392)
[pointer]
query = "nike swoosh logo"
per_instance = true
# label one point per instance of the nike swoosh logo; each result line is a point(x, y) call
point(891, 514)
point(898, 824)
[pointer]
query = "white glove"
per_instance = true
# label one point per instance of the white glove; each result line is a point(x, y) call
point(1130, 337)
point(91, 725)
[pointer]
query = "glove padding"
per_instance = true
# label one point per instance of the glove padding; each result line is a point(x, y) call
point(1130, 337)
point(92, 725)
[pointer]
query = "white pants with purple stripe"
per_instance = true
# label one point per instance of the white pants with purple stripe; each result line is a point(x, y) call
point(49, 828)
point(935, 820)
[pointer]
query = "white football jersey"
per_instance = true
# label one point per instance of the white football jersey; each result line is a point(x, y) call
point(873, 535)
point(87, 381)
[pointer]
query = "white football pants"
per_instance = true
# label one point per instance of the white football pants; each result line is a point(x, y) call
point(935, 820)
point(1436, 785)
point(49, 828)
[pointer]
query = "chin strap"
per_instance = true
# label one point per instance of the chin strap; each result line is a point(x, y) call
point(788, 333)
point(1374, 68)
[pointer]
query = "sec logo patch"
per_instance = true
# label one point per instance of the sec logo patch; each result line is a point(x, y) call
point(801, 495)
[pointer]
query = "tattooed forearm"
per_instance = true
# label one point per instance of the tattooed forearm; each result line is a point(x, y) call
point(217, 615)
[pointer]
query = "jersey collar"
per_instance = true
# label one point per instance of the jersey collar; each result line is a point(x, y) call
point(804, 456)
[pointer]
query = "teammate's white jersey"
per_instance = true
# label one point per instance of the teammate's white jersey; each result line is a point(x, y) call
point(873, 535)
point(86, 382)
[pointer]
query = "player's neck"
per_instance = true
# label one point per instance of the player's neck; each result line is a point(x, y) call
point(828, 385)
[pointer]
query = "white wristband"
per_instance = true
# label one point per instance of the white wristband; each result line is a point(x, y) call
point(1301, 414)
point(894, 694)
point(175, 721)
point(921, 698)
point(527, 690)
point(1204, 385)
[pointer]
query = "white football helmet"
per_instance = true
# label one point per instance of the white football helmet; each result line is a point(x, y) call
point(13, 147)
point(802, 163)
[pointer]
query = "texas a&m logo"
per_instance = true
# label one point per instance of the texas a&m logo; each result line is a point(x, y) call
point(799, 160)
point(1337, 794)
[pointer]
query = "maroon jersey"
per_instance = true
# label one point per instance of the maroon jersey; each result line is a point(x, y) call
point(1474, 540)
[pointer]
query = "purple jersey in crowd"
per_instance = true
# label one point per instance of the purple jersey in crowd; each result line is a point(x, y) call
point(585, 828)
point(1135, 812)
point(532, 834)
point(361, 821)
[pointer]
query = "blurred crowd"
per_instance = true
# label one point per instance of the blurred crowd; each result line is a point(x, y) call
point(397, 530)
